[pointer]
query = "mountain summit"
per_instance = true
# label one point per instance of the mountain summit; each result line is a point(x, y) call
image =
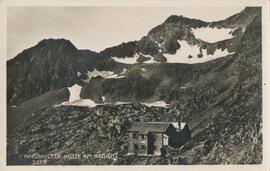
point(49, 65)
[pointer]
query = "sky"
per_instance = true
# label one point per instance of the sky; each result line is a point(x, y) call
point(94, 28)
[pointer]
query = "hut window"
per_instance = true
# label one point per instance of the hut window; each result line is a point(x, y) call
point(135, 147)
point(134, 135)
point(142, 136)
point(143, 147)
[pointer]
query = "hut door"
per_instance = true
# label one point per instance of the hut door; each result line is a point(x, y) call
point(136, 149)
point(151, 144)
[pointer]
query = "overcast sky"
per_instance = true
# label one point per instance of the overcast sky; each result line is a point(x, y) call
point(94, 28)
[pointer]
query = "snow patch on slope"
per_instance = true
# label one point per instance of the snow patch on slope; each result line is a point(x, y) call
point(124, 71)
point(151, 60)
point(182, 54)
point(127, 60)
point(133, 59)
point(212, 35)
point(157, 104)
point(103, 98)
point(104, 74)
point(187, 54)
point(75, 99)
point(95, 73)
point(81, 102)
point(74, 92)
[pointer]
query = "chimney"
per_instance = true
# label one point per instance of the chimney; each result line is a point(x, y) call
point(179, 120)
point(179, 125)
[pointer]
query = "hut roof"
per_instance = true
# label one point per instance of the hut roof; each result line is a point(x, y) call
point(146, 127)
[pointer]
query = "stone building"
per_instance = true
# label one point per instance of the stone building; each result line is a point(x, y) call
point(149, 138)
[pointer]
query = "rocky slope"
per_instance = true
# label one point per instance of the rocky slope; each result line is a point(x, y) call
point(220, 99)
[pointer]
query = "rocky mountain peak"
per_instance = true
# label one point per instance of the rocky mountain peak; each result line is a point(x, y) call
point(54, 47)
point(55, 41)
point(46, 48)
point(56, 44)
point(56, 61)
point(175, 19)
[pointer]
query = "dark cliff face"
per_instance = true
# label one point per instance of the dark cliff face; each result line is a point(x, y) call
point(92, 60)
point(221, 99)
point(122, 50)
point(50, 65)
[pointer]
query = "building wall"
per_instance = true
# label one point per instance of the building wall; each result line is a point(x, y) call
point(173, 136)
point(139, 141)
point(131, 141)
point(175, 139)
point(184, 135)
point(165, 140)
point(158, 143)
point(142, 144)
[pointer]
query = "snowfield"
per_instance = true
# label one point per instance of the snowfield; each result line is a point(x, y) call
point(81, 102)
point(157, 104)
point(103, 98)
point(75, 100)
point(104, 74)
point(133, 59)
point(90, 103)
point(124, 71)
point(78, 73)
point(182, 54)
point(212, 35)
point(127, 60)
point(187, 54)
point(143, 69)
point(74, 92)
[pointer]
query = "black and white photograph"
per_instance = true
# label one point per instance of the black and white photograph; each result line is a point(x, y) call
point(134, 85)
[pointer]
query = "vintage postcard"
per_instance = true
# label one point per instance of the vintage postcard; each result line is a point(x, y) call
point(172, 84)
